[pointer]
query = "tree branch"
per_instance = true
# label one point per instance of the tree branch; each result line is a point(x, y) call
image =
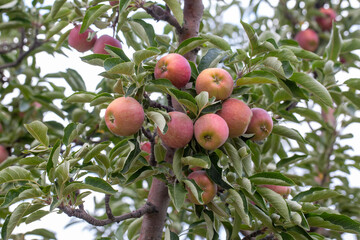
point(151, 138)
point(107, 207)
point(82, 214)
point(254, 234)
point(157, 105)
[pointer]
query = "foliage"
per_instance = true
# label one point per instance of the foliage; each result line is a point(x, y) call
point(56, 164)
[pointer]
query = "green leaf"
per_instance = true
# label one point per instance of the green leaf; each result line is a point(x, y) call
point(353, 83)
point(96, 151)
point(12, 195)
point(81, 97)
point(39, 131)
point(315, 194)
point(349, 45)
point(262, 216)
point(234, 158)
point(201, 161)
point(92, 14)
point(56, 7)
point(75, 80)
point(237, 201)
point(92, 183)
point(37, 215)
point(69, 136)
point(177, 166)
point(257, 77)
point(302, 53)
point(141, 55)
point(62, 173)
point(217, 41)
point(15, 219)
point(287, 132)
point(158, 119)
point(189, 44)
point(353, 97)
point(211, 59)
point(194, 189)
point(202, 99)
point(176, 9)
point(13, 174)
point(334, 46)
point(276, 200)
point(95, 59)
point(335, 222)
point(313, 86)
point(56, 29)
point(177, 193)
point(215, 172)
point(289, 160)
point(42, 232)
point(126, 68)
point(54, 156)
point(271, 178)
point(250, 32)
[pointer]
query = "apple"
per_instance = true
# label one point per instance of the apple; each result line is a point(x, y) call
point(237, 116)
point(80, 41)
point(282, 190)
point(308, 39)
point(261, 124)
point(3, 154)
point(146, 147)
point(216, 81)
point(175, 68)
point(104, 40)
point(211, 131)
point(325, 21)
point(124, 116)
point(113, 3)
point(180, 130)
point(206, 184)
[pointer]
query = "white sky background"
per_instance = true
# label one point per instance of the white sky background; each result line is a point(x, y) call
point(56, 222)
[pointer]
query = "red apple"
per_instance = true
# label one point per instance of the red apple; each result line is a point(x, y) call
point(180, 130)
point(216, 81)
point(175, 68)
point(113, 3)
point(282, 190)
point(80, 41)
point(104, 40)
point(308, 39)
point(261, 124)
point(204, 182)
point(237, 116)
point(124, 116)
point(211, 131)
point(3, 154)
point(325, 21)
point(146, 147)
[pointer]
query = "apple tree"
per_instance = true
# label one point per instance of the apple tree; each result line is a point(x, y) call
point(198, 127)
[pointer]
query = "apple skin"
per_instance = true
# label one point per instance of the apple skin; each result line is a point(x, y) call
point(282, 190)
point(325, 22)
point(124, 116)
point(211, 131)
point(237, 116)
point(113, 3)
point(3, 154)
point(206, 184)
point(99, 47)
point(216, 81)
point(146, 147)
point(175, 68)
point(180, 130)
point(79, 40)
point(261, 124)
point(308, 39)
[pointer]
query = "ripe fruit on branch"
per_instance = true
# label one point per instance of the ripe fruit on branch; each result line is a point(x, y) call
point(261, 124)
point(216, 81)
point(146, 147)
point(180, 130)
point(237, 116)
point(175, 68)
point(81, 41)
point(104, 40)
point(308, 39)
point(325, 21)
point(206, 184)
point(211, 131)
point(124, 116)
point(3, 153)
point(282, 190)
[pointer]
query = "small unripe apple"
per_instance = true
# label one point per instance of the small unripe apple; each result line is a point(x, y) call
point(206, 184)
point(282, 190)
point(104, 40)
point(80, 41)
point(325, 21)
point(308, 39)
point(237, 116)
point(3, 153)
point(113, 3)
point(180, 130)
point(261, 124)
point(124, 116)
point(146, 147)
point(211, 131)
point(216, 81)
point(175, 68)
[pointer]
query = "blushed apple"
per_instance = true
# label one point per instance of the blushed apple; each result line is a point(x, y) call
point(99, 47)
point(308, 39)
point(3, 154)
point(211, 131)
point(124, 116)
point(237, 116)
point(216, 81)
point(81, 41)
point(175, 68)
point(206, 184)
point(180, 130)
point(325, 21)
point(261, 124)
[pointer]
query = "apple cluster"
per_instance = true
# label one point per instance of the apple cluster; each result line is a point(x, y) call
point(308, 39)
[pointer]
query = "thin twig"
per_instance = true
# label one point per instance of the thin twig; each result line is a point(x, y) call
point(157, 105)
point(107, 207)
point(151, 137)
